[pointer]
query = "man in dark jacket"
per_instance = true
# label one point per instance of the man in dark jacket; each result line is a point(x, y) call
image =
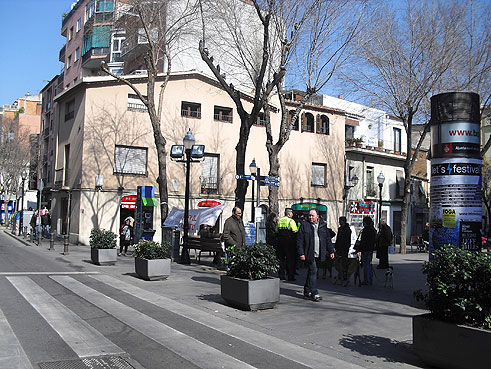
point(313, 240)
point(366, 247)
point(233, 229)
point(343, 243)
point(384, 240)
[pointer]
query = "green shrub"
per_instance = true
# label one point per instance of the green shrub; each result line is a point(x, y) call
point(257, 261)
point(150, 250)
point(459, 284)
point(102, 239)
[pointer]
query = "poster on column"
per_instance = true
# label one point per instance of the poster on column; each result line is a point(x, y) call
point(456, 205)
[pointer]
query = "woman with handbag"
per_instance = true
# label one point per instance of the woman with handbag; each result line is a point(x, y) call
point(366, 246)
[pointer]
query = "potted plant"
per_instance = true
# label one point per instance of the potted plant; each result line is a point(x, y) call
point(249, 284)
point(350, 141)
point(152, 259)
point(380, 145)
point(457, 331)
point(103, 247)
point(358, 141)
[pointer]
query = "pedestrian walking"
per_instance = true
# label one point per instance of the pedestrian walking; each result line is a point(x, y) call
point(343, 243)
point(384, 240)
point(33, 224)
point(45, 223)
point(126, 237)
point(287, 241)
point(233, 229)
point(366, 246)
point(313, 242)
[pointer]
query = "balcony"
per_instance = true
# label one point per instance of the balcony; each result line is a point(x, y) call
point(59, 178)
point(62, 54)
point(134, 45)
point(92, 58)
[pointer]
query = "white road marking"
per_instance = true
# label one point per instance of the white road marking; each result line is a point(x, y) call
point(80, 336)
point(195, 351)
point(290, 351)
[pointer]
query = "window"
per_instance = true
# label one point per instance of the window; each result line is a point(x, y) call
point(399, 183)
point(294, 124)
point(349, 131)
point(70, 34)
point(67, 163)
point(397, 140)
point(104, 6)
point(70, 110)
point(130, 160)
point(77, 53)
point(261, 120)
point(222, 114)
point(318, 174)
point(117, 43)
point(189, 109)
point(69, 62)
point(89, 10)
point(307, 122)
point(79, 24)
point(209, 174)
point(135, 104)
point(322, 124)
point(370, 182)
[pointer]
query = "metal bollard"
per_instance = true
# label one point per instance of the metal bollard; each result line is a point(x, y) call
point(52, 242)
point(65, 244)
point(31, 237)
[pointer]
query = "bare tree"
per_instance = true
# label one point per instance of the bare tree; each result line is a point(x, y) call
point(156, 26)
point(14, 158)
point(401, 62)
point(305, 38)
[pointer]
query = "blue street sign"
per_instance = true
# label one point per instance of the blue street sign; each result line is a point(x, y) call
point(244, 177)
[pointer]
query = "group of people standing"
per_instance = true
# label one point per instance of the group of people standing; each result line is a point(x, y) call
point(310, 241)
point(44, 228)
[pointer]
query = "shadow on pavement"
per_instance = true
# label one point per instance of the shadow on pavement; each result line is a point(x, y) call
point(389, 350)
point(206, 279)
point(215, 297)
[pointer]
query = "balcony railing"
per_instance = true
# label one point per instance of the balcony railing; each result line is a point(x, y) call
point(106, 17)
point(222, 117)
point(96, 51)
point(62, 54)
point(137, 107)
point(191, 113)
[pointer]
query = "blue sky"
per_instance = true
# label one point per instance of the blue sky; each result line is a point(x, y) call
point(29, 45)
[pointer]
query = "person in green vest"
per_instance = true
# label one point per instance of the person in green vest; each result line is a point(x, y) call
point(286, 245)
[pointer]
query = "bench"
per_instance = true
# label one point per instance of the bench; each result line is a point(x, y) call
point(204, 244)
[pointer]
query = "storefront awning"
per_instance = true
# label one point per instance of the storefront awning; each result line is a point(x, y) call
point(306, 206)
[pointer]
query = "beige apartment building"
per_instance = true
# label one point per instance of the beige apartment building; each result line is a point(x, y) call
point(105, 149)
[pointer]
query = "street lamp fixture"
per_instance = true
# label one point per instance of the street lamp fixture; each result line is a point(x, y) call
point(380, 180)
point(347, 187)
point(190, 151)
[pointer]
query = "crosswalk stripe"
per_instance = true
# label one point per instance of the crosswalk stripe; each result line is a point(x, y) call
point(195, 351)
point(301, 355)
point(80, 336)
point(11, 353)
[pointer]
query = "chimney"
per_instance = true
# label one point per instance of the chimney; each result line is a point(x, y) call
point(340, 97)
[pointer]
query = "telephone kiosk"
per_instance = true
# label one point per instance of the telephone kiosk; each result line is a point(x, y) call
point(145, 204)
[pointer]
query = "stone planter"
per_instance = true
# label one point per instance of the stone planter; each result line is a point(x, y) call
point(250, 294)
point(152, 270)
point(104, 256)
point(451, 346)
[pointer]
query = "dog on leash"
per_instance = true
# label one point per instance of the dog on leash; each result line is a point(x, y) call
point(353, 269)
point(389, 277)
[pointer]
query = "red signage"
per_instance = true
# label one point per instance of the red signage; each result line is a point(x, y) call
point(128, 202)
point(208, 203)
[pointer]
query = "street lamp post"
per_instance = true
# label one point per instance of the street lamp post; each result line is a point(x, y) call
point(21, 220)
point(256, 172)
point(253, 169)
point(190, 151)
point(380, 180)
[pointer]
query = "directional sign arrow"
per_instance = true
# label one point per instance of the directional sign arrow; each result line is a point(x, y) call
point(244, 177)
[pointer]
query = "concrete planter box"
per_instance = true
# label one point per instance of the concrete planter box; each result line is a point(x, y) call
point(250, 295)
point(152, 270)
point(450, 346)
point(104, 256)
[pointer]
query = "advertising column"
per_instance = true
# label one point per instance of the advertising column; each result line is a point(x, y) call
point(455, 203)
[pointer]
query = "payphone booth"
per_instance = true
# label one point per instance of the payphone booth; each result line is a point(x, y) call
point(145, 204)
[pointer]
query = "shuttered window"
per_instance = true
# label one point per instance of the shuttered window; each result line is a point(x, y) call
point(318, 174)
point(209, 174)
point(399, 183)
point(130, 160)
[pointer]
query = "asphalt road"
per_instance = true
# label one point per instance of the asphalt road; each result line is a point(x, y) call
point(63, 312)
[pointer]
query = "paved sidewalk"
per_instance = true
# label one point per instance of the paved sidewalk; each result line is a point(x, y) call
point(367, 326)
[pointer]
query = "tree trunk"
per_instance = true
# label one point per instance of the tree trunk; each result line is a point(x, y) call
point(404, 208)
point(241, 189)
point(274, 170)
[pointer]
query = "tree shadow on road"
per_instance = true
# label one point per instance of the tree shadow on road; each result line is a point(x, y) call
point(382, 347)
